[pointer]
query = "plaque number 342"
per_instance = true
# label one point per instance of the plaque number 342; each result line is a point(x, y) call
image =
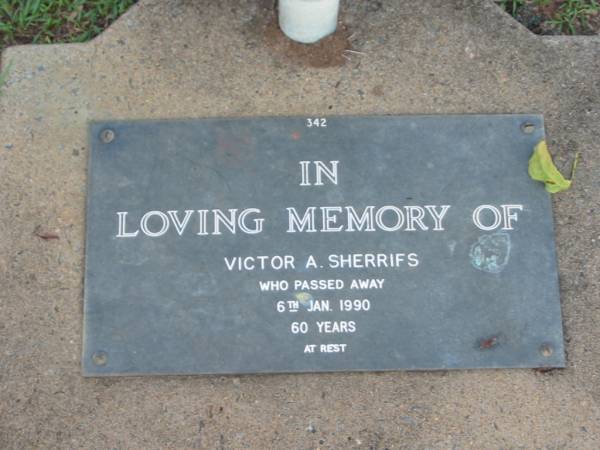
point(319, 122)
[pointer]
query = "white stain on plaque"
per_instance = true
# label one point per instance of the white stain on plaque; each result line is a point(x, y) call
point(491, 252)
point(452, 247)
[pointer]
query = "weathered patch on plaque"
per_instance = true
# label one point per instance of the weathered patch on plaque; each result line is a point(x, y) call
point(267, 245)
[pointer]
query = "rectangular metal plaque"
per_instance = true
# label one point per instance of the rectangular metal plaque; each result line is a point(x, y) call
point(267, 245)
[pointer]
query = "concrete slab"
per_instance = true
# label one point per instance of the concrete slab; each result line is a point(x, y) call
point(183, 58)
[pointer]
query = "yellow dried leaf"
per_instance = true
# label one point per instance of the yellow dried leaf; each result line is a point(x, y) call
point(541, 168)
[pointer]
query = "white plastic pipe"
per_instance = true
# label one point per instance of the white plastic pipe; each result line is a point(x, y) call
point(307, 21)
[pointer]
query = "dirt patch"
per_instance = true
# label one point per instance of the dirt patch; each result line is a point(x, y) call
point(378, 91)
point(328, 52)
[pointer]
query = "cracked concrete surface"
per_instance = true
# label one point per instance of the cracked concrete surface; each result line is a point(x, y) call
point(184, 58)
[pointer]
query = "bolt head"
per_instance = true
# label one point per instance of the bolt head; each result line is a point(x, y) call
point(107, 136)
point(100, 358)
point(528, 128)
point(546, 350)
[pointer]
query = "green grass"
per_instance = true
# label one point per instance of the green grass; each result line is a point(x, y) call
point(569, 16)
point(574, 14)
point(49, 21)
point(4, 76)
point(511, 6)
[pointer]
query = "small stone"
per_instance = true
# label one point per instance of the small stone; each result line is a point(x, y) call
point(373, 5)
